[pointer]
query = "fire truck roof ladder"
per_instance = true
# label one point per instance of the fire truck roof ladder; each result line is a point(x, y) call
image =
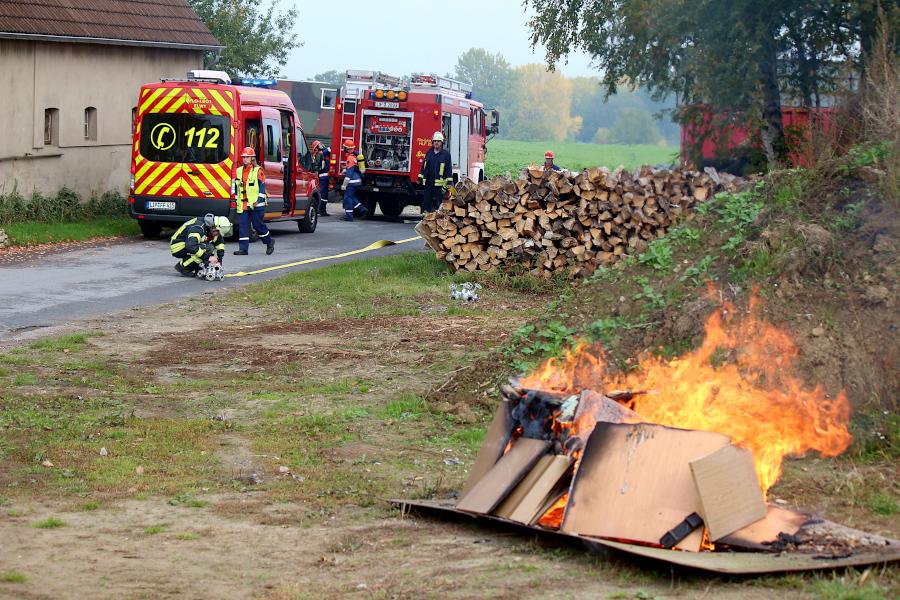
point(373, 78)
point(444, 84)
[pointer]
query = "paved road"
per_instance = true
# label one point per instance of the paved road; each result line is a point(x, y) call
point(97, 281)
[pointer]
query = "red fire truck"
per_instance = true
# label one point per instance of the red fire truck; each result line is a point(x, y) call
point(391, 121)
point(188, 135)
point(726, 141)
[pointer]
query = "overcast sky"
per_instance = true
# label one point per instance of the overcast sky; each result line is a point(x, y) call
point(402, 36)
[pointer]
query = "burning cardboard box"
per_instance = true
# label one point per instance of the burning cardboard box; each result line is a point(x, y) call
point(680, 461)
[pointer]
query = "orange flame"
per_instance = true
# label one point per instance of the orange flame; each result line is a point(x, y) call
point(740, 383)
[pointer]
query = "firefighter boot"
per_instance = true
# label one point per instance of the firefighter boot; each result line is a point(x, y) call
point(323, 209)
point(270, 247)
point(185, 272)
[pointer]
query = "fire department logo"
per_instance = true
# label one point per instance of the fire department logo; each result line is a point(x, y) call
point(163, 136)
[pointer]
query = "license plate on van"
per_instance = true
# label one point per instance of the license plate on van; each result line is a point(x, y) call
point(161, 205)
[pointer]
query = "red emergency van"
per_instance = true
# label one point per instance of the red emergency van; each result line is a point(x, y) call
point(188, 135)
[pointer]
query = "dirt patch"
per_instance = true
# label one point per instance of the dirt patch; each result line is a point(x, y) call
point(151, 549)
point(19, 254)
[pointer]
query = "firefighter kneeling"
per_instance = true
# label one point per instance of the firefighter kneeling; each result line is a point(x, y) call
point(199, 243)
point(436, 173)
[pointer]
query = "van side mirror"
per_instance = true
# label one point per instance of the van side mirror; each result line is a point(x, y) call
point(495, 122)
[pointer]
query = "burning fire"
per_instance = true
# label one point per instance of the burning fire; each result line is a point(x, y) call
point(740, 383)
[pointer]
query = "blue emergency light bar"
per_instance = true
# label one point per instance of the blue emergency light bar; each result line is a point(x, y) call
point(261, 83)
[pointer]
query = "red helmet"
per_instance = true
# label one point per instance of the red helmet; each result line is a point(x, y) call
point(248, 151)
point(351, 160)
point(548, 154)
point(316, 144)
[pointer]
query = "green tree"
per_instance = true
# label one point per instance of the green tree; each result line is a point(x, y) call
point(542, 110)
point(336, 78)
point(491, 76)
point(731, 55)
point(257, 40)
point(635, 126)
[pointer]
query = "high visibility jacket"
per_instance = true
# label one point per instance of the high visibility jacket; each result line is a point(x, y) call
point(194, 238)
point(251, 194)
point(437, 169)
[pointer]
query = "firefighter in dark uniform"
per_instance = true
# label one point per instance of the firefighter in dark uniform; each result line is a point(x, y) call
point(199, 240)
point(320, 166)
point(352, 182)
point(436, 173)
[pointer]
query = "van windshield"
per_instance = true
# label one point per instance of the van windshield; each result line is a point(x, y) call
point(185, 138)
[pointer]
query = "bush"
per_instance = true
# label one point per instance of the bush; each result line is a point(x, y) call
point(64, 206)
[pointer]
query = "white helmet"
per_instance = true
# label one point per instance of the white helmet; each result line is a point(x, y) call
point(437, 137)
point(223, 225)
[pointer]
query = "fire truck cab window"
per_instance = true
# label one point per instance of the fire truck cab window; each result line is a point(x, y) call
point(185, 138)
point(303, 155)
point(273, 140)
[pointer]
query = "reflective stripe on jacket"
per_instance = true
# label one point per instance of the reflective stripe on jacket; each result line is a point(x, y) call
point(191, 236)
point(437, 168)
point(354, 177)
point(254, 194)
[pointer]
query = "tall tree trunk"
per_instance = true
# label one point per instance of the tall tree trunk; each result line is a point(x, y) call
point(774, 142)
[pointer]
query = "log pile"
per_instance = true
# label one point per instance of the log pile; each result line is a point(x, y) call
point(556, 221)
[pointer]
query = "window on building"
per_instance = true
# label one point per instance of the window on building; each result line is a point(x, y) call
point(90, 123)
point(329, 97)
point(51, 127)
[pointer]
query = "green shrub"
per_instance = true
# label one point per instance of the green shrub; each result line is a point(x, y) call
point(64, 206)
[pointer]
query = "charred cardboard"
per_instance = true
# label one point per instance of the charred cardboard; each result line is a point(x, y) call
point(759, 535)
point(634, 482)
point(495, 441)
point(491, 489)
point(730, 496)
point(526, 500)
point(728, 563)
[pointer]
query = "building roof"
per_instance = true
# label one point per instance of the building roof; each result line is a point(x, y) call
point(167, 23)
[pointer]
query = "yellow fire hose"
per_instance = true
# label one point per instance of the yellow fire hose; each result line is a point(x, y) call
point(369, 248)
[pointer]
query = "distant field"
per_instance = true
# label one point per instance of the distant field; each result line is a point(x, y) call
point(511, 156)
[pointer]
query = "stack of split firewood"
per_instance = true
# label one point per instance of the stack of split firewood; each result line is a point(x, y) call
point(553, 221)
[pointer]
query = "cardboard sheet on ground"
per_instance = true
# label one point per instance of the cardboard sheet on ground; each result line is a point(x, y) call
point(730, 563)
point(634, 482)
point(729, 491)
point(491, 489)
point(527, 498)
point(756, 535)
point(495, 441)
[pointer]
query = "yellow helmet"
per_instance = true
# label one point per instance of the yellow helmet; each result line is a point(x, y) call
point(223, 225)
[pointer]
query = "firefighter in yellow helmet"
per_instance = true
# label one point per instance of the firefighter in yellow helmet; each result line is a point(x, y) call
point(199, 240)
point(249, 189)
point(436, 173)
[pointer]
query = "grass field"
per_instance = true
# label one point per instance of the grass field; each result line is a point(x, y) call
point(510, 156)
point(30, 232)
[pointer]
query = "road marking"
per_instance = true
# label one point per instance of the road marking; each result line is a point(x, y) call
point(369, 248)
